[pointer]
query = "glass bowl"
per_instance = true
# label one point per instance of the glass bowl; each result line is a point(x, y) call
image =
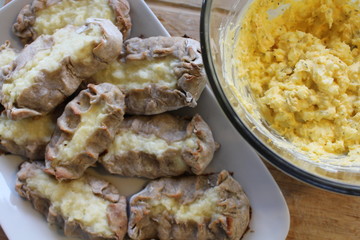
point(220, 22)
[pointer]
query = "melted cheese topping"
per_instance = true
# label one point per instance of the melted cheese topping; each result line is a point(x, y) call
point(74, 200)
point(199, 210)
point(28, 129)
point(7, 55)
point(74, 12)
point(67, 43)
point(303, 69)
point(91, 121)
point(127, 140)
point(140, 74)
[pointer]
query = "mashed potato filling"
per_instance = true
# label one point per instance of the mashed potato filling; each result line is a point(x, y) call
point(91, 120)
point(68, 42)
point(74, 200)
point(140, 74)
point(304, 71)
point(74, 12)
point(127, 140)
point(28, 129)
point(199, 210)
point(7, 55)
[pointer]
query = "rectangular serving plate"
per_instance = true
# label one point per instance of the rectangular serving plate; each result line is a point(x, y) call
point(270, 216)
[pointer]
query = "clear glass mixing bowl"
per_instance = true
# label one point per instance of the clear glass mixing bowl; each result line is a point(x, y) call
point(220, 21)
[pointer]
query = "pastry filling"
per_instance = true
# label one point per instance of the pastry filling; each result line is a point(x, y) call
point(28, 129)
point(7, 55)
point(140, 74)
point(74, 12)
point(200, 210)
point(127, 140)
point(68, 42)
point(74, 200)
point(91, 120)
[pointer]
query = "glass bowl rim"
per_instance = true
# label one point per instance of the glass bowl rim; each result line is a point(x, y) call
point(271, 157)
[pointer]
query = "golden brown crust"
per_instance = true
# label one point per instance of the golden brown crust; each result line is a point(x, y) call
point(50, 88)
point(121, 10)
point(73, 228)
point(229, 222)
point(172, 162)
point(24, 25)
point(189, 73)
point(113, 103)
point(116, 211)
point(33, 150)
point(198, 160)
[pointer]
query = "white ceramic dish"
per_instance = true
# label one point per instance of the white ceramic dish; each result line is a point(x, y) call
point(270, 216)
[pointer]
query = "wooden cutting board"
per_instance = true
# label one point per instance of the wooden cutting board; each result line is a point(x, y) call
point(315, 214)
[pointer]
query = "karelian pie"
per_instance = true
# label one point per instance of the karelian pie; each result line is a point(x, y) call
point(88, 207)
point(52, 67)
point(160, 145)
point(192, 208)
point(85, 130)
point(46, 16)
point(27, 137)
point(157, 74)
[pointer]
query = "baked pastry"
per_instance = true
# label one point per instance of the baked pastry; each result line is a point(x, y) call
point(88, 207)
point(52, 67)
point(46, 16)
point(195, 207)
point(84, 130)
point(157, 74)
point(7, 54)
point(26, 137)
point(160, 145)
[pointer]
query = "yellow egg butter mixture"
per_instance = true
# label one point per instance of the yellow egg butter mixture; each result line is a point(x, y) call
point(303, 68)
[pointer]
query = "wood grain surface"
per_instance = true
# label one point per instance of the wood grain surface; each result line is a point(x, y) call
point(315, 214)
